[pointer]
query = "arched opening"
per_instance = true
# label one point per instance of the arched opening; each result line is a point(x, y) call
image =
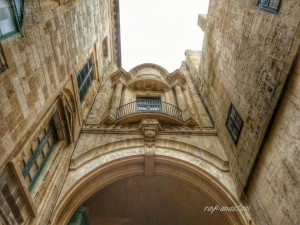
point(142, 200)
point(193, 184)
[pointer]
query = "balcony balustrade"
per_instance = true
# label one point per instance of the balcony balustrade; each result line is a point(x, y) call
point(149, 106)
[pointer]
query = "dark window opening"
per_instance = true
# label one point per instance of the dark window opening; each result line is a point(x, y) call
point(234, 124)
point(34, 166)
point(84, 79)
point(269, 5)
point(11, 16)
point(105, 47)
point(148, 104)
point(12, 204)
point(80, 217)
point(3, 63)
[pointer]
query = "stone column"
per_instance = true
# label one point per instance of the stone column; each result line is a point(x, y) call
point(117, 96)
point(180, 98)
point(182, 103)
point(116, 100)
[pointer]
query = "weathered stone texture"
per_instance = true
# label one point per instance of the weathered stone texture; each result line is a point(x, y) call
point(54, 45)
point(40, 85)
point(245, 59)
point(275, 188)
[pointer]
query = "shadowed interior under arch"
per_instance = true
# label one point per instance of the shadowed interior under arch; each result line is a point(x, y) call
point(157, 200)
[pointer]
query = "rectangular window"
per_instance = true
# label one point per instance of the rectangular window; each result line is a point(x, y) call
point(40, 154)
point(11, 15)
point(148, 104)
point(269, 5)
point(85, 78)
point(234, 124)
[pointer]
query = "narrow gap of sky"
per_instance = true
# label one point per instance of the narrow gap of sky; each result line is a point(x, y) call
point(159, 31)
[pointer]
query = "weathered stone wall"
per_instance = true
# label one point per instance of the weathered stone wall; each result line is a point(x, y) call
point(275, 188)
point(55, 44)
point(57, 39)
point(245, 60)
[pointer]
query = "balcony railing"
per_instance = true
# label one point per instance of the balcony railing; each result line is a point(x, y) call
point(149, 107)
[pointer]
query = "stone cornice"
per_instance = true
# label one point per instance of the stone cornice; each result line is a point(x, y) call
point(135, 128)
point(176, 78)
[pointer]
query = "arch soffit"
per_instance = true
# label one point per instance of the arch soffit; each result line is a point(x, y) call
point(130, 166)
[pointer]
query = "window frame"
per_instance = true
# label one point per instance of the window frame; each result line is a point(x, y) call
point(17, 19)
point(267, 7)
point(36, 153)
point(87, 76)
point(148, 104)
point(233, 121)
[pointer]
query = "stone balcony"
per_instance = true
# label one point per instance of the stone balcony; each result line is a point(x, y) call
point(135, 111)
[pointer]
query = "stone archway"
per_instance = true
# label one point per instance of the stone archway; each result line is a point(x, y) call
point(126, 167)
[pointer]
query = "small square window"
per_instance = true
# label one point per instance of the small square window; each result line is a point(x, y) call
point(269, 5)
point(234, 124)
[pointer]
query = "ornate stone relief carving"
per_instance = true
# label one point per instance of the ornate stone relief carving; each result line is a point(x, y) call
point(149, 128)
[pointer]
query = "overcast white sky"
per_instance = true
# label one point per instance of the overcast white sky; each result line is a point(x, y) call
point(159, 31)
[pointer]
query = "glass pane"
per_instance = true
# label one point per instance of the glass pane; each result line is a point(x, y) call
point(232, 113)
point(6, 18)
point(81, 96)
point(19, 4)
point(148, 104)
point(264, 2)
point(82, 76)
point(78, 80)
point(238, 122)
point(86, 69)
point(230, 124)
point(235, 133)
point(90, 62)
point(92, 75)
point(274, 3)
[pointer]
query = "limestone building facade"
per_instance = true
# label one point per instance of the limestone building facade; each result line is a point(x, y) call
point(83, 141)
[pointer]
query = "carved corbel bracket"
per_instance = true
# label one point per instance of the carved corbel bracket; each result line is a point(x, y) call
point(149, 128)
